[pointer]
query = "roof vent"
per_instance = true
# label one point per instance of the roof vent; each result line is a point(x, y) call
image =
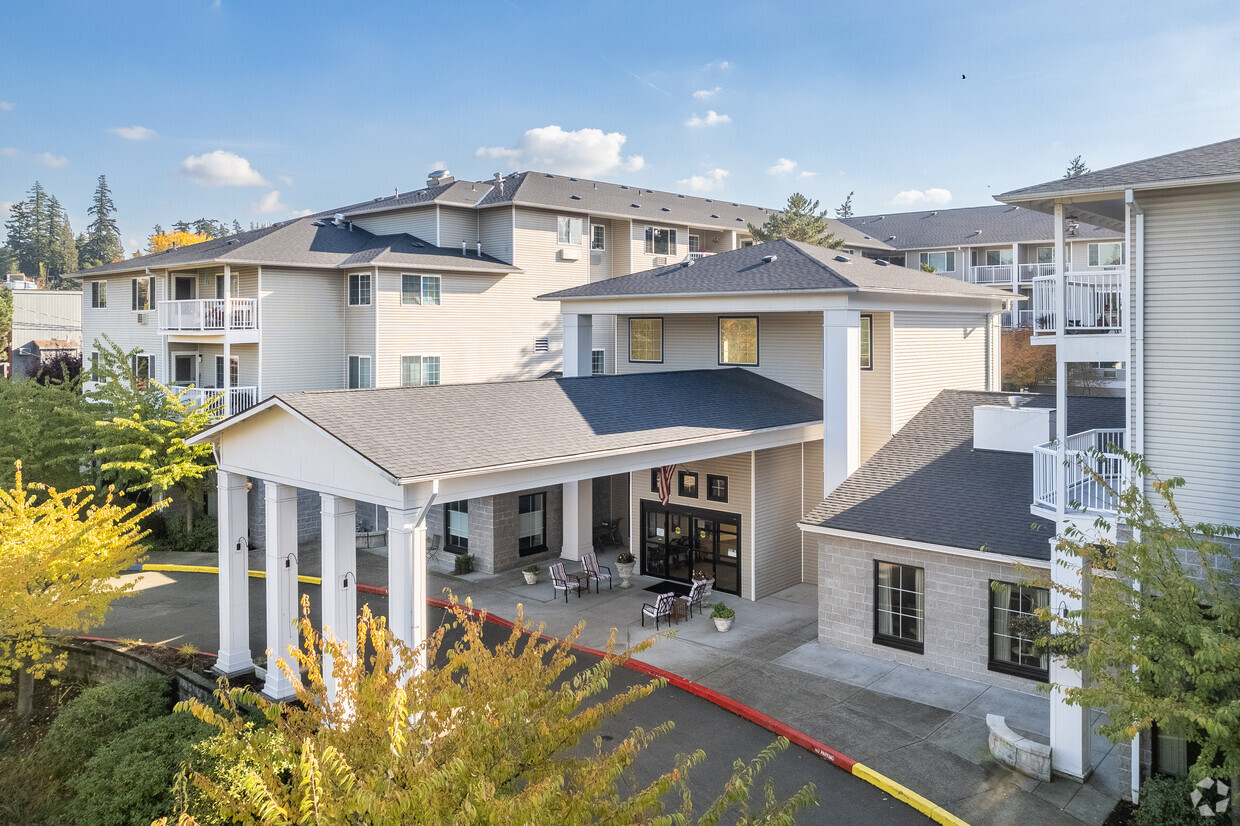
point(665, 209)
point(440, 177)
point(572, 179)
point(548, 174)
point(713, 215)
point(688, 262)
point(338, 219)
point(499, 176)
point(932, 214)
point(576, 197)
point(880, 261)
point(318, 223)
point(680, 196)
point(636, 206)
point(735, 204)
point(770, 259)
point(739, 218)
point(843, 259)
point(622, 186)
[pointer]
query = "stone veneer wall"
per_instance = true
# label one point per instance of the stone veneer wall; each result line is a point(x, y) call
point(957, 607)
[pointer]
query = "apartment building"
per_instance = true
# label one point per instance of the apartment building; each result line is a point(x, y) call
point(45, 323)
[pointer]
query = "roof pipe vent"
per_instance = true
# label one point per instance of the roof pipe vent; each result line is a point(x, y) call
point(479, 249)
point(770, 259)
point(338, 219)
point(463, 248)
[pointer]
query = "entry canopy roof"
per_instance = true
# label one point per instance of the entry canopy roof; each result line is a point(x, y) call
point(413, 434)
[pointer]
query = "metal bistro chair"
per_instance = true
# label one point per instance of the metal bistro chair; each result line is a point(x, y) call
point(660, 610)
point(432, 550)
point(695, 596)
point(561, 582)
point(594, 571)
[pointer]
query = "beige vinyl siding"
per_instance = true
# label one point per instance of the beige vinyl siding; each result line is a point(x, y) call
point(777, 555)
point(523, 319)
point(640, 260)
point(359, 327)
point(1192, 346)
point(789, 347)
point(419, 222)
point(933, 352)
point(495, 232)
point(811, 494)
point(302, 318)
point(621, 244)
point(876, 390)
point(46, 314)
point(121, 323)
point(601, 267)
point(457, 225)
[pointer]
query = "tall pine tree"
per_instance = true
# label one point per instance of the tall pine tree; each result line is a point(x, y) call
point(40, 237)
point(62, 248)
point(103, 237)
point(799, 221)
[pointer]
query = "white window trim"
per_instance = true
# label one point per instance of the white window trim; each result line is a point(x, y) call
point(133, 293)
point(1000, 253)
point(580, 223)
point(603, 228)
point(943, 253)
point(1097, 245)
point(370, 293)
point(359, 357)
point(651, 228)
point(99, 294)
point(604, 355)
point(422, 279)
point(422, 357)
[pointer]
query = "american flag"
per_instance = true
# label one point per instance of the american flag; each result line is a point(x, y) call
point(666, 474)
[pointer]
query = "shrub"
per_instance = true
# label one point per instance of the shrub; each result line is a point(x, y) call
point(722, 611)
point(463, 564)
point(99, 714)
point(129, 780)
point(1166, 801)
point(203, 538)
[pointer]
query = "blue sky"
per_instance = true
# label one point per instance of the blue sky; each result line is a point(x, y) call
point(260, 110)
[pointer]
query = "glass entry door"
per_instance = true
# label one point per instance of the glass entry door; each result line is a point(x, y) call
point(678, 541)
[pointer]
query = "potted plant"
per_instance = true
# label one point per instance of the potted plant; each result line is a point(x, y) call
point(702, 576)
point(625, 563)
point(463, 564)
point(531, 574)
point(723, 616)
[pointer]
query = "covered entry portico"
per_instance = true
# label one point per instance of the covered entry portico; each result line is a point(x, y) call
point(408, 448)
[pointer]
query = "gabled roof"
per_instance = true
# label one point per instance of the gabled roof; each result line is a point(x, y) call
point(797, 267)
point(969, 226)
point(1214, 161)
point(432, 432)
point(928, 484)
point(310, 243)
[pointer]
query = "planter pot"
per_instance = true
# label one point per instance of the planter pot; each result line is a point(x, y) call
point(709, 589)
point(531, 578)
point(625, 569)
point(723, 623)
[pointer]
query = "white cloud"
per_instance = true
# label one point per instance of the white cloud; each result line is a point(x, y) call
point(707, 182)
point(42, 158)
point(6, 209)
point(783, 166)
point(286, 180)
point(584, 152)
point(134, 243)
point(5, 106)
point(220, 168)
point(133, 133)
point(912, 197)
point(722, 64)
point(707, 94)
point(712, 118)
point(9, 152)
point(808, 174)
point(300, 213)
point(268, 204)
point(436, 166)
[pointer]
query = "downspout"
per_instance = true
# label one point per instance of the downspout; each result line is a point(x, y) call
point(1136, 391)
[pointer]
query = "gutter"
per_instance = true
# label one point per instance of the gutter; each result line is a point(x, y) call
point(913, 544)
point(1136, 390)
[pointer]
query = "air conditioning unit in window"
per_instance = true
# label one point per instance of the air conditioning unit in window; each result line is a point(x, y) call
point(142, 318)
point(660, 261)
point(570, 254)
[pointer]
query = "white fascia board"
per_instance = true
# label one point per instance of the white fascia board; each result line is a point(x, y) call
point(521, 476)
point(884, 301)
point(1117, 191)
point(912, 544)
point(707, 304)
point(490, 268)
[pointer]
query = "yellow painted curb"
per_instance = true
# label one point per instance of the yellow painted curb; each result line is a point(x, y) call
point(932, 810)
point(204, 569)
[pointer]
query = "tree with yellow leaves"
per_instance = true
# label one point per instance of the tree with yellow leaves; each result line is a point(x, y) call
point(60, 554)
point(489, 734)
point(160, 241)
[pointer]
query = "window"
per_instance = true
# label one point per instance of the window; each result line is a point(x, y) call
point(1011, 653)
point(431, 285)
point(183, 368)
point(1106, 255)
point(654, 480)
point(94, 366)
point(646, 339)
point(941, 261)
point(568, 231)
point(143, 367)
point(98, 295)
point(456, 524)
point(359, 371)
point(660, 241)
point(695, 243)
point(996, 258)
point(598, 361)
point(738, 340)
point(359, 289)
point(899, 606)
point(140, 294)
point(531, 523)
point(1046, 255)
point(716, 488)
point(598, 237)
point(419, 370)
point(232, 372)
point(420, 289)
point(867, 342)
point(687, 485)
point(234, 285)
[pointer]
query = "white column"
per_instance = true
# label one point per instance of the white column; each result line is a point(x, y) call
point(227, 344)
point(994, 332)
point(578, 519)
point(841, 396)
point(1015, 272)
point(733, 243)
point(578, 341)
point(339, 589)
point(407, 577)
point(234, 584)
point(282, 611)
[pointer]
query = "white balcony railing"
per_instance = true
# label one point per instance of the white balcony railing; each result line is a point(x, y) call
point(1092, 473)
point(1094, 300)
point(208, 315)
point(220, 404)
point(991, 274)
point(1028, 272)
point(699, 255)
point(1017, 318)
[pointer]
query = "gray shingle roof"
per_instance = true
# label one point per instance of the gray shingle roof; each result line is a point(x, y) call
point(928, 484)
point(1212, 160)
point(797, 267)
point(414, 432)
point(970, 226)
point(300, 243)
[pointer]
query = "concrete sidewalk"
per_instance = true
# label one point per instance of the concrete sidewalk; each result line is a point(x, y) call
point(922, 729)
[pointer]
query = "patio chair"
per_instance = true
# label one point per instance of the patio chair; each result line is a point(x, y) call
point(432, 550)
point(660, 610)
point(561, 582)
point(695, 596)
point(594, 571)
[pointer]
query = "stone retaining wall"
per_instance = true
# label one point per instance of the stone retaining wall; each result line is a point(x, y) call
point(1028, 757)
point(100, 661)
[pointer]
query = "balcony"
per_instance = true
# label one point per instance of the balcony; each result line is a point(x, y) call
point(222, 403)
point(1028, 272)
point(211, 316)
point(991, 274)
point(1017, 318)
point(1092, 473)
point(1094, 302)
point(699, 255)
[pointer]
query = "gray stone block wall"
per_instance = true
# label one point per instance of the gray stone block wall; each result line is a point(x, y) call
point(504, 553)
point(1123, 774)
point(309, 514)
point(957, 606)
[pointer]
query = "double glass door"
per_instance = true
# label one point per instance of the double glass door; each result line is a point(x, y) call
point(679, 541)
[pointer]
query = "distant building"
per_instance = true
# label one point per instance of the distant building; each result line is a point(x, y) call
point(49, 318)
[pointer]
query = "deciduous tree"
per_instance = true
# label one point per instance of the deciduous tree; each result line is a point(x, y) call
point(175, 238)
point(799, 221)
point(45, 426)
point(1024, 364)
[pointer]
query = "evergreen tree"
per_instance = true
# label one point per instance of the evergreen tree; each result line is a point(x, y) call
point(1076, 168)
point(40, 237)
point(800, 221)
point(845, 209)
point(62, 247)
point(103, 237)
point(236, 227)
